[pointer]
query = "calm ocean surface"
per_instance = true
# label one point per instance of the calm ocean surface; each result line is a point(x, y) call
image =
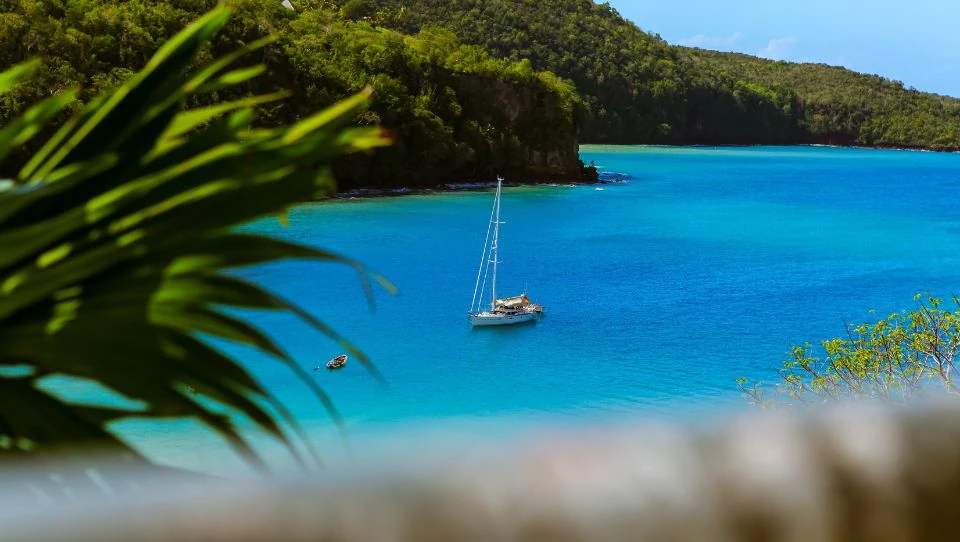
point(705, 265)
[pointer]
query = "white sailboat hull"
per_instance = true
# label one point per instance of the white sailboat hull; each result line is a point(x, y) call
point(500, 319)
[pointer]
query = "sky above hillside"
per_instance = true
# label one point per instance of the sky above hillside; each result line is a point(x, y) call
point(915, 42)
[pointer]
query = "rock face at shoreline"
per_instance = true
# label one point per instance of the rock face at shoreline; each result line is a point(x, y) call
point(522, 132)
point(543, 126)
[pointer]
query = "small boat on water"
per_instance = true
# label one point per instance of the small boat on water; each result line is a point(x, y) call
point(501, 312)
point(337, 362)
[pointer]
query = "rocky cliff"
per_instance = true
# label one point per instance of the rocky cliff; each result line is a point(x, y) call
point(521, 132)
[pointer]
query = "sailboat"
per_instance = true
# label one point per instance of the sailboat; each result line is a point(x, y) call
point(501, 312)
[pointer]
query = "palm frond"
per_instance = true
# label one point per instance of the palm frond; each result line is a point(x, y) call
point(115, 237)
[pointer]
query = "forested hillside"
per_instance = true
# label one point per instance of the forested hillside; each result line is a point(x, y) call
point(469, 86)
point(639, 88)
point(845, 107)
point(642, 90)
point(459, 114)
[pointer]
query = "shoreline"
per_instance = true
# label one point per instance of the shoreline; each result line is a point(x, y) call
point(365, 193)
point(752, 145)
point(604, 177)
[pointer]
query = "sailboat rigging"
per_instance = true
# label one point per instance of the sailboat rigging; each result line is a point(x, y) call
point(506, 311)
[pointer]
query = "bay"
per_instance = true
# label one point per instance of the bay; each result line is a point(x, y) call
point(705, 264)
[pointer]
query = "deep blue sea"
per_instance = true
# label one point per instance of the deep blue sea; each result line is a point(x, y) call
point(703, 265)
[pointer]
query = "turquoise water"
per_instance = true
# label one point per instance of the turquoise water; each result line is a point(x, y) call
point(705, 265)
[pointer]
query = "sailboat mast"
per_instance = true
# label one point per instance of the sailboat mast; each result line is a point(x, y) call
point(493, 249)
point(484, 263)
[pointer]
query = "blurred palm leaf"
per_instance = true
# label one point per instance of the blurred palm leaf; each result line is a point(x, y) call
point(114, 237)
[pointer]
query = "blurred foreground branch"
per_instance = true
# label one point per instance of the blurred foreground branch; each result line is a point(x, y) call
point(857, 473)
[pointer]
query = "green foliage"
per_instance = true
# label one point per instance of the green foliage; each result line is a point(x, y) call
point(455, 109)
point(357, 9)
point(844, 107)
point(898, 359)
point(641, 90)
point(638, 88)
point(116, 234)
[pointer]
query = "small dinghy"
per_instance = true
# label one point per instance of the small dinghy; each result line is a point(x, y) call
point(337, 362)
